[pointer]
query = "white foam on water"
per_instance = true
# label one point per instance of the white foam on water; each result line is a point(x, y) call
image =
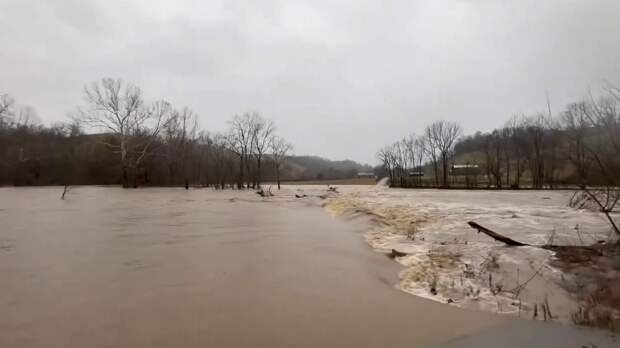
point(449, 262)
point(383, 182)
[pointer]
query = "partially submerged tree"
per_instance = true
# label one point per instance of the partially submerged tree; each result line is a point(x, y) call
point(180, 136)
point(261, 138)
point(249, 137)
point(132, 142)
point(280, 149)
point(222, 159)
point(240, 142)
point(118, 109)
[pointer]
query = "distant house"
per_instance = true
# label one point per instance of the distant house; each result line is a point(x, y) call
point(416, 173)
point(465, 170)
point(366, 175)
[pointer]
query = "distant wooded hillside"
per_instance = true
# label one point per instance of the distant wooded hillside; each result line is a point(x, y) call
point(318, 168)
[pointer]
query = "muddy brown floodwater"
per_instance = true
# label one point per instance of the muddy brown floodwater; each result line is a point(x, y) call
point(172, 268)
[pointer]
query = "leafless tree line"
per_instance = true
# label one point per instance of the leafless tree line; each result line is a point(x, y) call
point(404, 160)
point(576, 147)
point(144, 143)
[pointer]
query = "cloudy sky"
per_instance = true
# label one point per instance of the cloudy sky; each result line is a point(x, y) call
point(339, 78)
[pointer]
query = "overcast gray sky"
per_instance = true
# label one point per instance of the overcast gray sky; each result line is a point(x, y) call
point(339, 78)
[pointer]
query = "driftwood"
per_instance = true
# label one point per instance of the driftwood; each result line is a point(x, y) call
point(495, 235)
point(573, 253)
point(264, 193)
point(395, 253)
point(64, 192)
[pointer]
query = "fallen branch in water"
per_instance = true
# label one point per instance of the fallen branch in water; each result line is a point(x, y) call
point(575, 253)
point(64, 192)
point(264, 193)
point(495, 235)
point(395, 253)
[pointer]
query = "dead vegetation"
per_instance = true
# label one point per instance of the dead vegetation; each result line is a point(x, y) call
point(479, 283)
point(572, 252)
point(65, 191)
point(264, 193)
point(596, 273)
point(395, 253)
point(604, 200)
point(591, 313)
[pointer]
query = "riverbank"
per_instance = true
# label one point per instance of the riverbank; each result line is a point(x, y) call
point(446, 261)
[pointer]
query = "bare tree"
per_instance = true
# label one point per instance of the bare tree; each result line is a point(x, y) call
point(493, 148)
point(222, 159)
point(442, 136)
point(262, 136)
point(534, 135)
point(202, 158)
point(386, 156)
point(145, 133)
point(603, 152)
point(118, 109)
point(280, 149)
point(399, 159)
point(577, 126)
point(554, 138)
point(240, 142)
point(431, 152)
point(505, 140)
point(26, 117)
point(514, 146)
point(6, 109)
point(180, 134)
point(408, 144)
point(605, 113)
point(418, 149)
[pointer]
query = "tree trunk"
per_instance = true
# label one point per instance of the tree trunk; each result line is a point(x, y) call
point(124, 175)
point(240, 179)
point(258, 175)
point(444, 158)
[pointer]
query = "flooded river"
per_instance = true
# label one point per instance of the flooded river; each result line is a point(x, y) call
point(201, 268)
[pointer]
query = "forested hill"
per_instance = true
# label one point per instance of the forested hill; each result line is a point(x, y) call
point(318, 168)
point(36, 155)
